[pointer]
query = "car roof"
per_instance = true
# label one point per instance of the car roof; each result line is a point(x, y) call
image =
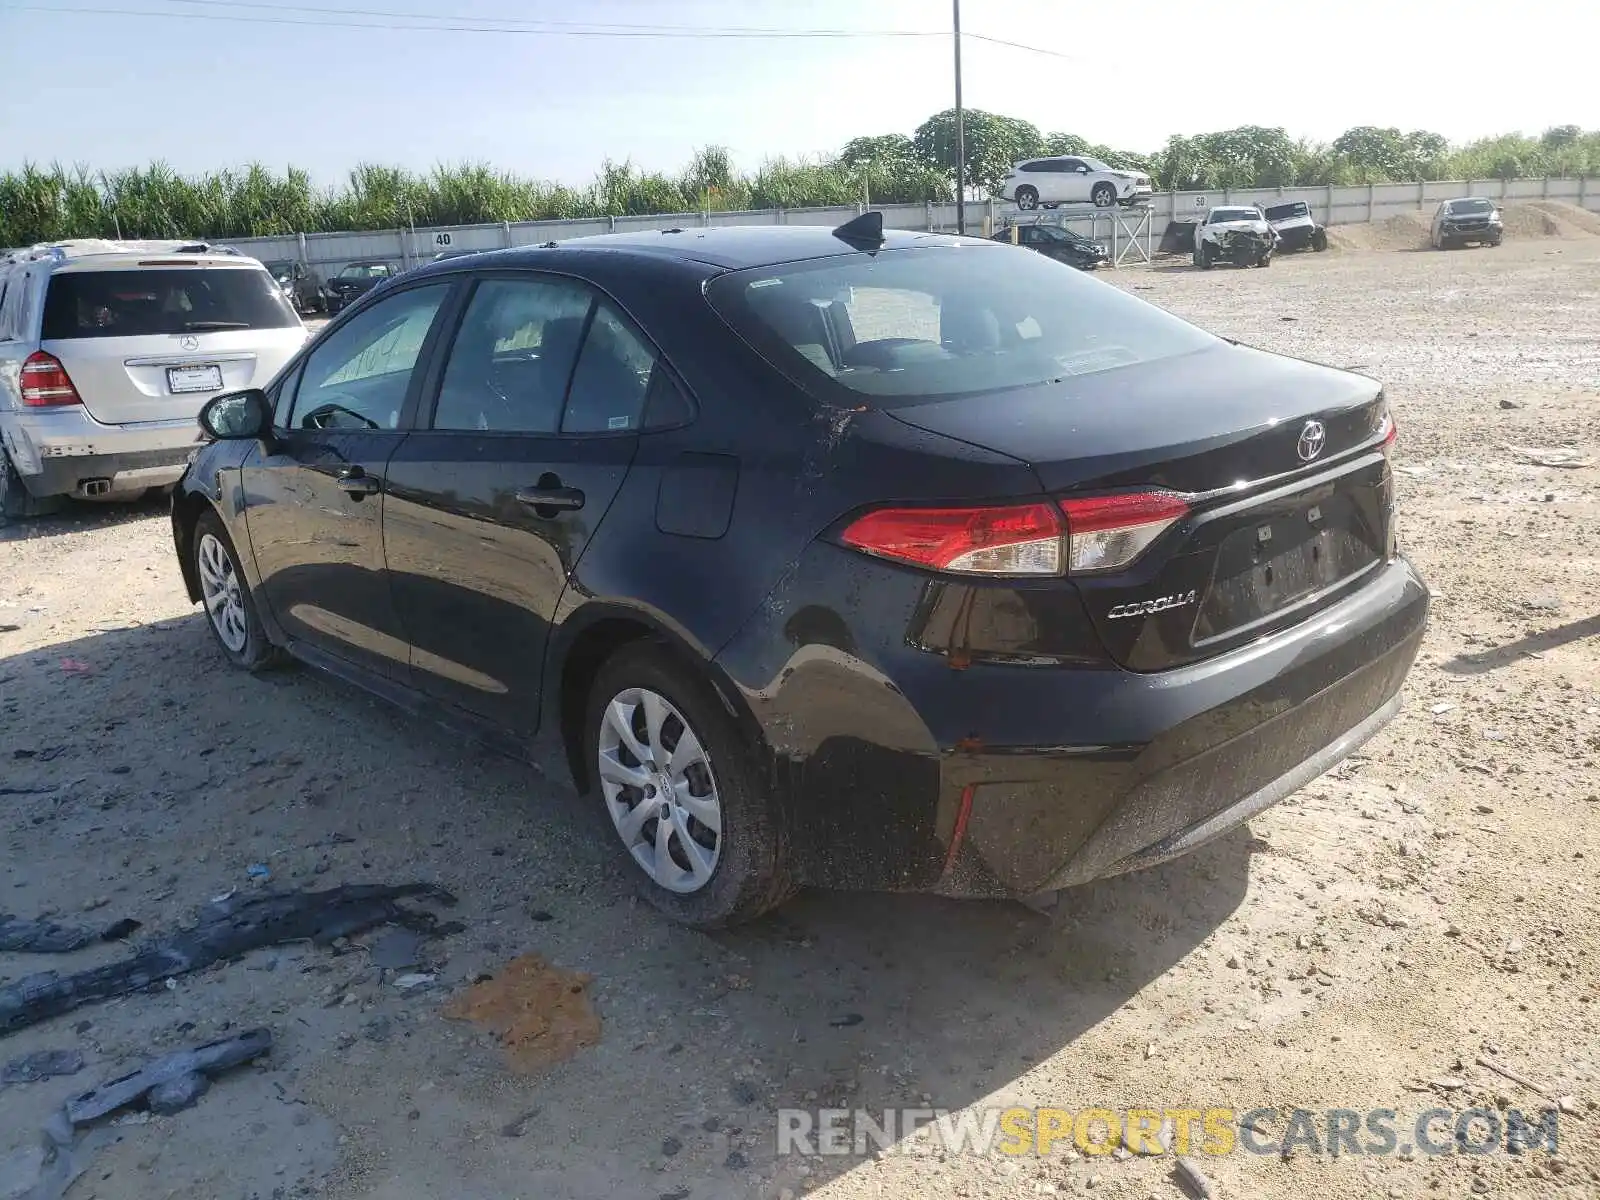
point(729, 248)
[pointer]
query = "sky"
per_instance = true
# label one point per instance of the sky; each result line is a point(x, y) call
point(164, 79)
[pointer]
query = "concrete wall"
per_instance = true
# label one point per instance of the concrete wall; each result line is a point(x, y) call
point(1127, 235)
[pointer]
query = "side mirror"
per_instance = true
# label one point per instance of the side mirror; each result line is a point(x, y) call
point(237, 415)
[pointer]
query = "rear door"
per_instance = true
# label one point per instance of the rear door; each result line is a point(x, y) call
point(314, 502)
point(491, 502)
point(152, 340)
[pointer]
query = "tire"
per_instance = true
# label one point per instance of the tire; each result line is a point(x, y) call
point(741, 863)
point(1104, 195)
point(234, 623)
point(1205, 257)
point(1264, 261)
point(1319, 240)
point(1027, 198)
point(17, 503)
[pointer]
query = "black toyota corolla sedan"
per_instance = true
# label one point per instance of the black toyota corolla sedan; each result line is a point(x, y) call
point(849, 558)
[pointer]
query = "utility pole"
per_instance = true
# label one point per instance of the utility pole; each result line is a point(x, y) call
point(961, 140)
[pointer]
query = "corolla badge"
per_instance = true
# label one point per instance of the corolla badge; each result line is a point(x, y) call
point(189, 342)
point(1312, 439)
point(1145, 608)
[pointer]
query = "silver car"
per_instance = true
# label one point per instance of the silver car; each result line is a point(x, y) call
point(107, 352)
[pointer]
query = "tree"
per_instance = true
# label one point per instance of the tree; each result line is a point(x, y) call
point(992, 144)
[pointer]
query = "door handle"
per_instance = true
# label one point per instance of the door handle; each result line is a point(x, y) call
point(562, 499)
point(356, 483)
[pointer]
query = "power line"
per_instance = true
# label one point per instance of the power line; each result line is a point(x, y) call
point(585, 26)
point(501, 24)
point(680, 32)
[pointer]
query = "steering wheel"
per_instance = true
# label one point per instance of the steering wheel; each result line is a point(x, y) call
point(318, 418)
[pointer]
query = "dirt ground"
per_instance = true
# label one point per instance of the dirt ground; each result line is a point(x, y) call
point(1360, 946)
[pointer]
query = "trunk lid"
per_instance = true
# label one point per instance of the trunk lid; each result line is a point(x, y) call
point(1270, 537)
point(148, 342)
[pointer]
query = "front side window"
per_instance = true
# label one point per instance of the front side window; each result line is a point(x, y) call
point(359, 377)
point(171, 300)
point(937, 322)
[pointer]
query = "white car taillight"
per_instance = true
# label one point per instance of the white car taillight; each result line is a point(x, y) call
point(1106, 533)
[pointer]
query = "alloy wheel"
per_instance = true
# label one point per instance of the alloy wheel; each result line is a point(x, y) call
point(223, 593)
point(657, 784)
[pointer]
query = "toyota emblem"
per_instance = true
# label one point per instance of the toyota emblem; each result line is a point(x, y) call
point(189, 342)
point(1312, 438)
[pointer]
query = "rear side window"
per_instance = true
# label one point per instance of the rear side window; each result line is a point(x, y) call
point(906, 325)
point(512, 358)
point(89, 304)
point(609, 384)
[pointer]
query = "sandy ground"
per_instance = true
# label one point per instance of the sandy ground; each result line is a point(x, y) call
point(1358, 947)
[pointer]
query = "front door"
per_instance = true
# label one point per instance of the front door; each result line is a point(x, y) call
point(314, 502)
point(492, 500)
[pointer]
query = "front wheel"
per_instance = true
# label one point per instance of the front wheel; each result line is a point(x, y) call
point(1205, 257)
point(1104, 195)
point(1027, 198)
point(682, 790)
point(1264, 261)
point(230, 608)
point(1319, 241)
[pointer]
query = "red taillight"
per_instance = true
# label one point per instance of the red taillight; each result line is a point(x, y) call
point(45, 382)
point(1022, 539)
point(1391, 431)
point(1109, 532)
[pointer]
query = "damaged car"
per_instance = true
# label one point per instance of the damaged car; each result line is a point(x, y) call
point(1471, 219)
point(1238, 235)
point(855, 558)
point(1054, 241)
point(1296, 228)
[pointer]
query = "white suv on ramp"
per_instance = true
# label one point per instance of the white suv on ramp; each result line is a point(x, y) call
point(1072, 179)
point(107, 352)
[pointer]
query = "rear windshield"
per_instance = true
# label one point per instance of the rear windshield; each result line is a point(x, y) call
point(1279, 212)
point(905, 325)
point(83, 304)
point(1459, 207)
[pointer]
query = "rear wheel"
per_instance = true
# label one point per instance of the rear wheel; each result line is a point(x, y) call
point(230, 609)
point(1319, 240)
point(17, 503)
point(682, 791)
point(1027, 198)
point(1104, 195)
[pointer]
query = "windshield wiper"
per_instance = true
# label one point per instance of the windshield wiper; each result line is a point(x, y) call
point(216, 324)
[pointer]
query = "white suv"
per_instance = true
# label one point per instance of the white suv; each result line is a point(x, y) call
point(1072, 179)
point(107, 352)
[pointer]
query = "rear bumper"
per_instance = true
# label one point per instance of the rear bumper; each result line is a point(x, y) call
point(908, 769)
point(59, 452)
point(1220, 742)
